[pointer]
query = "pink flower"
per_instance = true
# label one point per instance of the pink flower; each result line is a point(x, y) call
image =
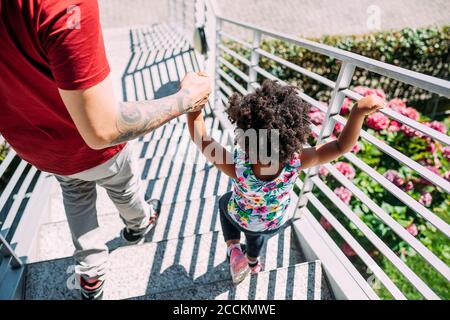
point(346, 169)
point(345, 108)
point(438, 126)
point(378, 92)
point(447, 176)
point(338, 128)
point(325, 224)
point(394, 126)
point(431, 147)
point(361, 90)
point(394, 177)
point(365, 91)
point(446, 152)
point(410, 113)
point(432, 169)
point(317, 117)
point(356, 148)
point(396, 104)
point(409, 186)
point(410, 132)
point(344, 194)
point(412, 229)
point(426, 199)
point(378, 121)
point(323, 172)
point(348, 251)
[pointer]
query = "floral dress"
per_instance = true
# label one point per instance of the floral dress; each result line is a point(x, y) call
point(260, 206)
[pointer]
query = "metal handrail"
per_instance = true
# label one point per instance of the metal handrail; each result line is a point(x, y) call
point(22, 180)
point(225, 85)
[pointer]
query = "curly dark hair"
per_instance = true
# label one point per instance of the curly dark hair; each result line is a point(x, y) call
point(273, 106)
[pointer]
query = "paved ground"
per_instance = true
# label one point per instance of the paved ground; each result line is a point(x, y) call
point(313, 18)
point(310, 18)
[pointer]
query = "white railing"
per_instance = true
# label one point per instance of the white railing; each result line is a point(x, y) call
point(206, 14)
point(21, 188)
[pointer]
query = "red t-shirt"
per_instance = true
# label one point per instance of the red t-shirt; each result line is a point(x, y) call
point(46, 45)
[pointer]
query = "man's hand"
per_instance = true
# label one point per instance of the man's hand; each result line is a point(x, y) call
point(198, 87)
point(370, 104)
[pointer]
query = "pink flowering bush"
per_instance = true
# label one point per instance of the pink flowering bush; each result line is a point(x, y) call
point(346, 106)
point(412, 229)
point(316, 116)
point(346, 169)
point(356, 148)
point(394, 177)
point(431, 154)
point(344, 194)
point(323, 172)
point(325, 224)
point(338, 128)
point(378, 121)
point(438, 126)
point(348, 251)
point(426, 199)
point(394, 126)
point(396, 104)
point(446, 153)
point(410, 113)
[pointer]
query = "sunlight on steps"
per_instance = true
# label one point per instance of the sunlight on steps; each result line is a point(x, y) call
point(184, 256)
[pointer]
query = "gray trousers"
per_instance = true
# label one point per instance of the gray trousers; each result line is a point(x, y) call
point(121, 179)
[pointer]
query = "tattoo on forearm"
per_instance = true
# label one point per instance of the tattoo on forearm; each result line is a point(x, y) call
point(135, 119)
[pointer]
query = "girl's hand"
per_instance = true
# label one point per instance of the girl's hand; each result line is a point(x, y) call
point(370, 104)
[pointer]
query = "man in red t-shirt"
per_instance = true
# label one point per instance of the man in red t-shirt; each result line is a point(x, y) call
point(59, 113)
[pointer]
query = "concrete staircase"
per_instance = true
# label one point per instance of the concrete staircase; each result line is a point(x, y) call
point(184, 256)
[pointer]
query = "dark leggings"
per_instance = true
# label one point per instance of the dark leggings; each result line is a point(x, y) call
point(232, 231)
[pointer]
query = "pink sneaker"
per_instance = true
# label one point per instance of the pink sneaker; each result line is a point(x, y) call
point(257, 268)
point(239, 268)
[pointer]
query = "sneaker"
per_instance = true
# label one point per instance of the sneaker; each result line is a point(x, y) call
point(239, 267)
point(91, 290)
point(257, 267)
point(138, 236)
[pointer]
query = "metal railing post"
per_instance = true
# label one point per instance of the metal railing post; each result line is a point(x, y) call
point(6, 250)
point(337, 98)
point(252, 74)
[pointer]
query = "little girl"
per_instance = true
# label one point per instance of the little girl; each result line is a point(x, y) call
point(258, 202)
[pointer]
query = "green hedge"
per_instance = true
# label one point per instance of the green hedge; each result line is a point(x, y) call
point(423, 50)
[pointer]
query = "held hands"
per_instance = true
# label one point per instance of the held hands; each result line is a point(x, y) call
point(369, 105)
point(197, 86)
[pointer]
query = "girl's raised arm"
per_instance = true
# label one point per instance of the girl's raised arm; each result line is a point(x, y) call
point(311, 157)
point(211, 149)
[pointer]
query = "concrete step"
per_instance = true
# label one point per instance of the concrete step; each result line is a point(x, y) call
point(185, 187)
point(179, 149)
point(299, 282)
point(157, 267)
point(172, 179)
point(176, 220)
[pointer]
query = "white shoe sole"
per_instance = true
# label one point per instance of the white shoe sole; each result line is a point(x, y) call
point(241, 275)
point(142, 240)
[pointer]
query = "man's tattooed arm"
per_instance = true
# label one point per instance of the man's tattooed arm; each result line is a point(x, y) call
point(135, 119)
